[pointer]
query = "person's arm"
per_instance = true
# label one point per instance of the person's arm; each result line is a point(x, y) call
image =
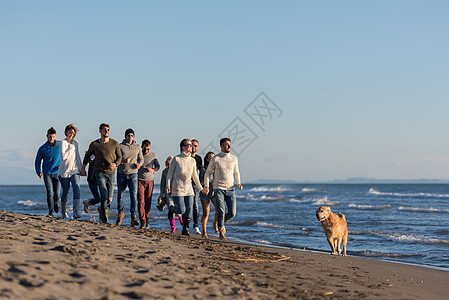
point(118, 157)
point(171, 171)
point(196, 179)
point(237, 175)
point(77, 155)
point(86, 159)
point(209, 170)
point(163, 185)
point(38, 163)
point(139, 158)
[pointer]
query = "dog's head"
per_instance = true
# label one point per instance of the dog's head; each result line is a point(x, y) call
point(323, 213)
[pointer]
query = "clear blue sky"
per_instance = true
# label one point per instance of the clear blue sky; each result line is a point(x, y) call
point(362, 85)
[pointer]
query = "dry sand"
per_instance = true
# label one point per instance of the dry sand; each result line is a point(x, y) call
point(49, 258)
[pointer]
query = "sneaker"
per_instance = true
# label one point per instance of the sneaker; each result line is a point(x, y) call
point(86, 205)
point(56, 207)
point(50, 214)
point(196, 230)
point(76, 217)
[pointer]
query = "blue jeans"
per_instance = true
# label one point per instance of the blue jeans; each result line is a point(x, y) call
point(106, 185)
point(93, 187)
point(183, 205)
point(195, 206)
point(65, 184)
point(222, 196)
point(131, 182)
point(53, 190)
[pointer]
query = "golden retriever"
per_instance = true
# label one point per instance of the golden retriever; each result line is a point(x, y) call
point(335, 228)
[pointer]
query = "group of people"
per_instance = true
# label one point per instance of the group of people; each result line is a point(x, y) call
point(185, 179)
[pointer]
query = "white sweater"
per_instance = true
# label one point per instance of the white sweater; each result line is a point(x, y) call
point(226, 169)
point(70, 159)
point(180, 174)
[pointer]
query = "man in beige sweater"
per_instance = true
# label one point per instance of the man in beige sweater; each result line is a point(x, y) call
point(226, 170)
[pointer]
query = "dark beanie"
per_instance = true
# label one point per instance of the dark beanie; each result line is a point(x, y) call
point(128, 131)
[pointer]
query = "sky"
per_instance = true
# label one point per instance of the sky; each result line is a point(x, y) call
point(307, 90)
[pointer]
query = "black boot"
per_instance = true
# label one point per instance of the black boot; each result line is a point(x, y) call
point(171, 212)
point(185, 225)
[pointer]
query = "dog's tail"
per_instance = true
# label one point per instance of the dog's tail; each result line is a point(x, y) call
point(342, 216)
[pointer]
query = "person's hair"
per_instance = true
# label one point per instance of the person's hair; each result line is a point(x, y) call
point(224, 140)
point(129, 130)
point(195, 140)
point(168, 160)
point(146, 143)
point(103, 125)
point(206, 160)
point(183, 143)
point(70, 127)
point(51, 131)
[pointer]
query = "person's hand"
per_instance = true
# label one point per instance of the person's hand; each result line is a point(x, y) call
point(83, 173)
point(41, 175)
point(112, 166)
point(240, 186)
point(127, 160)
point(168, 190)
point(138, 165)
point(205, 190)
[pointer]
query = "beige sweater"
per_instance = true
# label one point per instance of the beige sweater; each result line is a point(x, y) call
point(182, 170)
point(226, 169)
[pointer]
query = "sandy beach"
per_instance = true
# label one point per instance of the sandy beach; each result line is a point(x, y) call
point(49, 258)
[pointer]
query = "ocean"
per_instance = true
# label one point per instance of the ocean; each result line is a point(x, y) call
point(396, 222)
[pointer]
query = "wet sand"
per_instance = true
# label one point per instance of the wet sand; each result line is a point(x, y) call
point(49, 258)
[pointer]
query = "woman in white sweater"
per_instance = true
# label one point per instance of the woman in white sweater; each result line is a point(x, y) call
point(69, 170)
point(180, 174)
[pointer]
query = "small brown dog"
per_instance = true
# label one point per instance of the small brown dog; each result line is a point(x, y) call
point(335, 228)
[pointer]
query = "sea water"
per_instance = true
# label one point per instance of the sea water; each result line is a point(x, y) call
point(399, 222)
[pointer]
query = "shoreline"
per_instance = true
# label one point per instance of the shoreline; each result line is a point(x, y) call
point(42, 257)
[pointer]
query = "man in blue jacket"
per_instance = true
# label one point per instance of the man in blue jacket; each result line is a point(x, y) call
point(46, 166)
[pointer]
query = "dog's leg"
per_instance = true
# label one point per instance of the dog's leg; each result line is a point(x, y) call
point(331, 245)
point(334, 247)
point(345, 241)
point(338, 245)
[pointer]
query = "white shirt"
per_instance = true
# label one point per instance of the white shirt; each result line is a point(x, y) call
point(70, 159)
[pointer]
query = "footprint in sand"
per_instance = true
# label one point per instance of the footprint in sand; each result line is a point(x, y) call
point(77, 275)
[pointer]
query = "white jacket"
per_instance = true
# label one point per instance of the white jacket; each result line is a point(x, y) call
point(70, 159)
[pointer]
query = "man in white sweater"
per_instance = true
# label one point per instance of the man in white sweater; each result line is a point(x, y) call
point(226, 170)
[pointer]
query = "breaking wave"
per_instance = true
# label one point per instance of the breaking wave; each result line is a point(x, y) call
point(373, 191)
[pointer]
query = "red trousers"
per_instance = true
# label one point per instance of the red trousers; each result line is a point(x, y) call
point(144, 195)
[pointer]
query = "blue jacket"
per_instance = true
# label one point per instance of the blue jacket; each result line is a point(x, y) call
point(50, 158)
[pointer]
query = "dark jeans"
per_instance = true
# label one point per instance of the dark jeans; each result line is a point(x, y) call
point(93, 186)
point(106, 185)
point(195, 206)
point(53, 188)
point(129, 181)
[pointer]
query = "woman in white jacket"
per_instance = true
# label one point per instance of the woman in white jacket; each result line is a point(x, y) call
point(69, 170)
